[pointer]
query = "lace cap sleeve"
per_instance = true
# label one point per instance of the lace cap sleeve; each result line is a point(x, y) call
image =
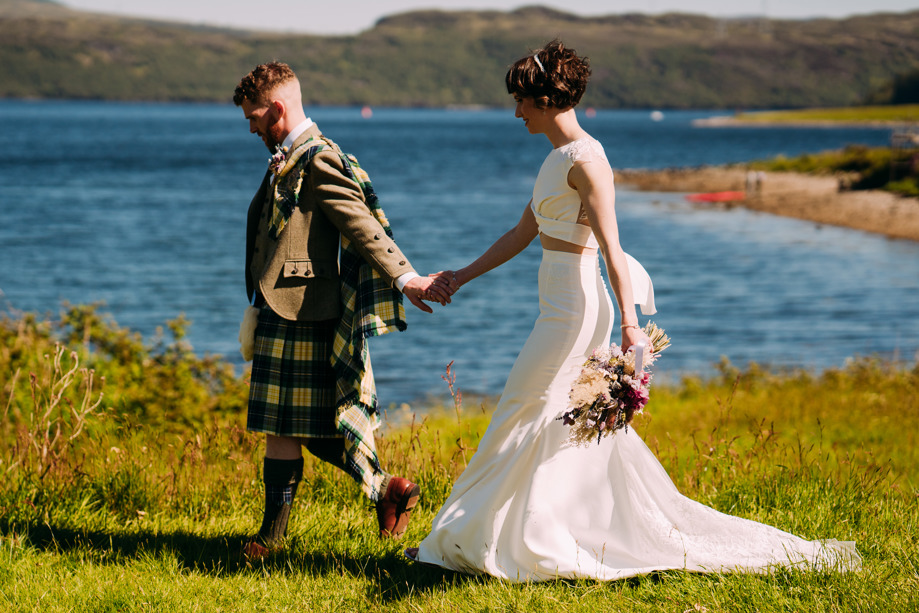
point(584, 149)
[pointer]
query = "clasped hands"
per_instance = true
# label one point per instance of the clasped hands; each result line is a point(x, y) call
point(437, 287)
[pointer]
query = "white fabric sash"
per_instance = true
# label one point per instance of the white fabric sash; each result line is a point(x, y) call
point(642, 288)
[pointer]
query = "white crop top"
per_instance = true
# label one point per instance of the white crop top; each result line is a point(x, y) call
point(555, 204)
point(557, 207)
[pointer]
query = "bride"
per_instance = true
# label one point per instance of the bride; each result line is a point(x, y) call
point(528, 506)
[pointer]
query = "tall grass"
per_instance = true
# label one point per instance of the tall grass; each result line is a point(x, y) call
point(128, 513)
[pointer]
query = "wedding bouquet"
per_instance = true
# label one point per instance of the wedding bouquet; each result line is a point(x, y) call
point(611, 388)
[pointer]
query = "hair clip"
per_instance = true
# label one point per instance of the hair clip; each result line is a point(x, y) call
point(538, 63)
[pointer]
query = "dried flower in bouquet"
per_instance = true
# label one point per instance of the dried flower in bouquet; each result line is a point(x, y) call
point(610, 389)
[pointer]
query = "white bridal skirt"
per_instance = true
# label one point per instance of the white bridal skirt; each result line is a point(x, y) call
point(529, 507)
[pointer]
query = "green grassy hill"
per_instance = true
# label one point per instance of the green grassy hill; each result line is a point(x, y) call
point(438, 58)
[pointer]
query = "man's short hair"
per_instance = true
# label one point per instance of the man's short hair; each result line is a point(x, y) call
point(264, 79)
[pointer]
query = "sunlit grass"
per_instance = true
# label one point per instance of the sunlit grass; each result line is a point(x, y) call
point(857, 114)
point(131, 516)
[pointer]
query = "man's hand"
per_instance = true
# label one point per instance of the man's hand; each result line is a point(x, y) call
point(427, 288)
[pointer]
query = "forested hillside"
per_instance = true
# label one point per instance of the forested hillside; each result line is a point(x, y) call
point(438, 58)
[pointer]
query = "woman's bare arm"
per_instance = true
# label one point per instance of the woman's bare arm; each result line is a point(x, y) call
point(594, 184)
point(510, 244)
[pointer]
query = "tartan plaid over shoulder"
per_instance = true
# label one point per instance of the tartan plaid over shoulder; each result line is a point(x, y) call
point(287, 184)
point(371, 306)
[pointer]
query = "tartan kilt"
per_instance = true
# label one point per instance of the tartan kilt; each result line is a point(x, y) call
point(292, 388)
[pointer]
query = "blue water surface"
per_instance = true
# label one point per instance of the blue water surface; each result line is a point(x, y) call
point(143, 206)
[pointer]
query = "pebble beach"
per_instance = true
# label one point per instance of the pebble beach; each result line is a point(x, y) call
point(813, 198)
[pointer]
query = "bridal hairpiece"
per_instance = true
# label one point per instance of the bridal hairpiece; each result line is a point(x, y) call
point(538, 63)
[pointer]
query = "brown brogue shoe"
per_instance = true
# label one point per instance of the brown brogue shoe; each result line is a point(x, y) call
point(254, 551)
point(394, 508)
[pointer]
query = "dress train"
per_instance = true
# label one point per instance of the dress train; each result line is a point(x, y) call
point(529, 506)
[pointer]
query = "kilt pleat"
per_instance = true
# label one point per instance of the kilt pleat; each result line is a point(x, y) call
point(292, 388)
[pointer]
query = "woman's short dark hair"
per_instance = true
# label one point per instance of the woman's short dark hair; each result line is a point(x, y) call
point(553, 76)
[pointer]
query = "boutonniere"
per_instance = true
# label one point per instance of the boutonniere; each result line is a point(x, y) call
point(276, 163)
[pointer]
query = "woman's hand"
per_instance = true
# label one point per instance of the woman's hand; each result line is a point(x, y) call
point(633, 336)
point(449, 279)
point(420, 288)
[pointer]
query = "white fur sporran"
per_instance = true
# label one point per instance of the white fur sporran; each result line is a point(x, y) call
point(247, 333)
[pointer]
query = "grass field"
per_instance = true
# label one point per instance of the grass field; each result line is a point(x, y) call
point(104, 508)
point(901, 113)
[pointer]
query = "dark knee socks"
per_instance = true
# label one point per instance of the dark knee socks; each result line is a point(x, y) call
point(281, 480)
point(330, 450)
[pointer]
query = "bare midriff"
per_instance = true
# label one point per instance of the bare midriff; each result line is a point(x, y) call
point(556, 244)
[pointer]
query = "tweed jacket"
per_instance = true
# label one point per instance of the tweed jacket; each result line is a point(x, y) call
point(297, 274)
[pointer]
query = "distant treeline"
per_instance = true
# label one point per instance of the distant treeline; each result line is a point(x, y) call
point(439, 58)
point(902, 89)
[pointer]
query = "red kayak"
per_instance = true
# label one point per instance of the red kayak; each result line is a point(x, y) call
point(716, 197)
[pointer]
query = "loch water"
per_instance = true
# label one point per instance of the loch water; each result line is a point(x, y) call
point(143, 206)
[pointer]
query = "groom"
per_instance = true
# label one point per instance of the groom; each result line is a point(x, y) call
point(320, 265)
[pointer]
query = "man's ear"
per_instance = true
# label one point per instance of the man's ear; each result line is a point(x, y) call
point(279, 108)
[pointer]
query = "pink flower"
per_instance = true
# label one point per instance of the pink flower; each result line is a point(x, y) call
point(608, 391)
point(278, 158)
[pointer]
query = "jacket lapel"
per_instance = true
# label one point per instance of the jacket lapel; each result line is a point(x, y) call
point(256, 207)
point(285, 190)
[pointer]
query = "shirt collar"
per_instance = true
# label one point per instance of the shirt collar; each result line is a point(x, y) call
point(296, 132)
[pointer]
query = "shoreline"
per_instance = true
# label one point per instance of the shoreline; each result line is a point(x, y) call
point(807, 197)
point(730, 121)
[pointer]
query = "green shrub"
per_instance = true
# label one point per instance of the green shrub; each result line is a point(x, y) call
point(868, 167)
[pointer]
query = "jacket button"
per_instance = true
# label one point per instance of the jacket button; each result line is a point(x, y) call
point(377, 237)
point(390, 250)
point(402, 263)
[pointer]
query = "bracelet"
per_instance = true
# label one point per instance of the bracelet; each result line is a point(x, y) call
point(636, 326)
